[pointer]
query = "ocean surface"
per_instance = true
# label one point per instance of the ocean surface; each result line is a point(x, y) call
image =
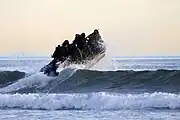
point(124, 88)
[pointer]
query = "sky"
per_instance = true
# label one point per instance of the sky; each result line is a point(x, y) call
point(129, 27)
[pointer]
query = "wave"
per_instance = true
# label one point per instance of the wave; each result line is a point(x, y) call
point(8, 77)
point(28, 84)
point(118, 81)
point(74, 80)
point(93, 101)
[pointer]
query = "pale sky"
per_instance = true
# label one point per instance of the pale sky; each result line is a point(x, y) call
point(129, 27)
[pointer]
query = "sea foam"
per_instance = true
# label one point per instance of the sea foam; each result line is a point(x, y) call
point(90, 101)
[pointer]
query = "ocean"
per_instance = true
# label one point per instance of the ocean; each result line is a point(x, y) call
point(124, 88)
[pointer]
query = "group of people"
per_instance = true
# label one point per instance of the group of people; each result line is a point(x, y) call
point(79, 49)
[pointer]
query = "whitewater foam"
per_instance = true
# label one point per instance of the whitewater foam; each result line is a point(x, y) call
point(35, 80)
point(93, 101)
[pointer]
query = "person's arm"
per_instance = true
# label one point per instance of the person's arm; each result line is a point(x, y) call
point(89, 36)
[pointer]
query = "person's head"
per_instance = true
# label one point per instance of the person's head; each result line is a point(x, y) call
point(96, 31)
point(66, 42)
point(83, 35)
point(77, 35)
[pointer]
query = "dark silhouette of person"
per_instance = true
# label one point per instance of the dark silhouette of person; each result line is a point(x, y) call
point(77, 40)
point(65, 46)
point(55, 54)
point(84, 47)
point(92, 38)
point(93, 41)
point(83, 39)
point(65, 43)
point(80, 41)
point(59, 53)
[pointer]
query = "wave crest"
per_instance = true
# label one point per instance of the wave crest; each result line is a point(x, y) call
point(73, 80)
point(94, 101)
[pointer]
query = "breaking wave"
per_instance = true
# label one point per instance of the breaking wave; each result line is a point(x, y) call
point(91, 101)
point(76, 89)
point(74, 80)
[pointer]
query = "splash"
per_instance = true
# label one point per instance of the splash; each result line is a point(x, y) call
point(94, 101)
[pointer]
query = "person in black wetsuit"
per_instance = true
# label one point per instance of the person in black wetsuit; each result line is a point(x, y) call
point(76, 40)
point(80, 41)
point(77, 47)
point(55, 54)
point(75, 53)
point(86, 50)
point(92, 38)
point(65, 46)
point(93, 41)
point(59, 53)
